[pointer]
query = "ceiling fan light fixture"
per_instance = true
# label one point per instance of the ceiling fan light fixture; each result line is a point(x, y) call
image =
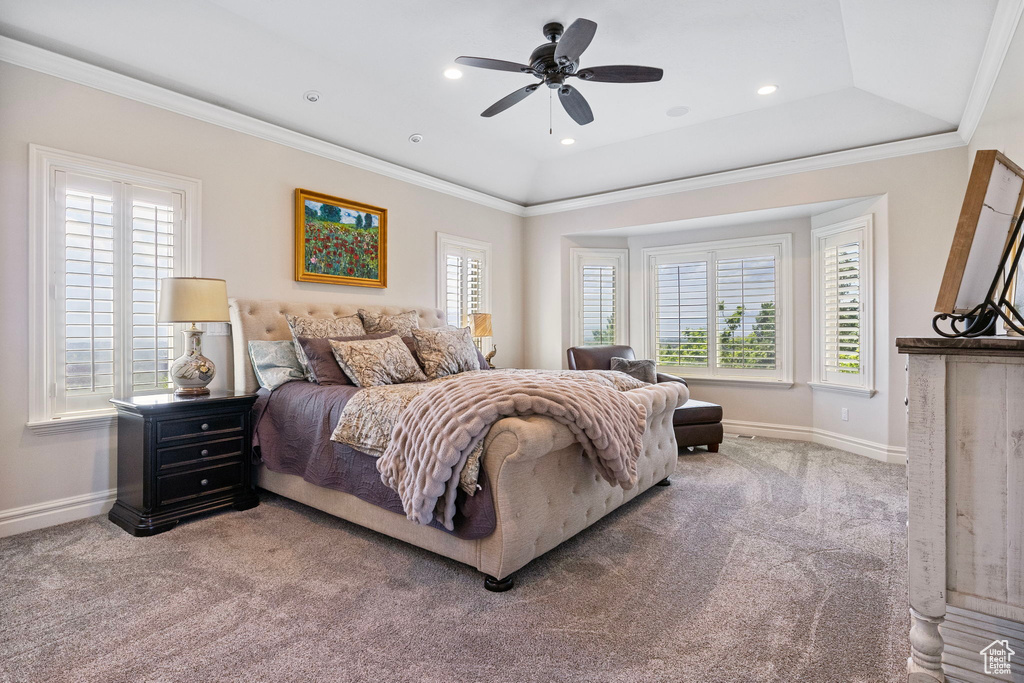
point(568, 141)
point(767, 89)
point(452, 74)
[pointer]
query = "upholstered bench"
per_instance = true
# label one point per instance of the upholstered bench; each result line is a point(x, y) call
point(696, 423)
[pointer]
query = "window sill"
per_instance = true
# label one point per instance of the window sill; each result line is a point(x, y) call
point(840, 389)
point(735, 381)
point(81, 423)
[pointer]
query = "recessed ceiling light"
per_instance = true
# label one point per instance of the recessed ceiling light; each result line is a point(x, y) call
point(568, 141)
point(767, 89)
point(678, 111)
point(312, 96)
point(415, 137)
point(452, 74)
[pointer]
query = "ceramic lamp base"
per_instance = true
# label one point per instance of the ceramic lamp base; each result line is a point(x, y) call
point(192, 372)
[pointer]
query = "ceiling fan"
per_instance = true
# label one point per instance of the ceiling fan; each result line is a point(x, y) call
point(557, 60)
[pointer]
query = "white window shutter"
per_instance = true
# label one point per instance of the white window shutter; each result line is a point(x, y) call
point(463, 278)
point(746, 307)
point(599, 315)
point(599, 294)
point(156, 218)
point(681, 309)
point(85, 292)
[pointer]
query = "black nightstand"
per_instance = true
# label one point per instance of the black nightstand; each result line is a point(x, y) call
point(179, 456)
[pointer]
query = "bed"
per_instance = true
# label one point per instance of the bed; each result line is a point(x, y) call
point(542, 489)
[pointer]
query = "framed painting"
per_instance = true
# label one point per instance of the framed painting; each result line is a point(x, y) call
point(995, 192)
point(340, 242)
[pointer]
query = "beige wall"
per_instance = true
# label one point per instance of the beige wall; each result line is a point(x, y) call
point(923, 194)
point(247, 238)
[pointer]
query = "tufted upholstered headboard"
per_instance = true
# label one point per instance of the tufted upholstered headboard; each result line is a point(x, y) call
point(259, 319)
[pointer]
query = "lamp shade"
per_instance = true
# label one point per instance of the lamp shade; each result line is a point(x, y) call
point(193, 300)
point(481, 323)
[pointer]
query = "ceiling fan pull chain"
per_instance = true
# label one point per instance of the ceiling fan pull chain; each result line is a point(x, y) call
point(551, 125)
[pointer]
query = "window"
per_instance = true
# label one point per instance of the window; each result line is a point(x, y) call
point(463, 278)
point(842, 307)
point(104, 234)
point(599, 295)
point(719, 310)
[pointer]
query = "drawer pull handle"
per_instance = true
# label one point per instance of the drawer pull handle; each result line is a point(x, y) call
point(204, 426)
point(204, 452)
point(204, 482)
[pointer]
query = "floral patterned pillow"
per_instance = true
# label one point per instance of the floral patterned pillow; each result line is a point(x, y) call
point(375, 362)
point(320, 328)
point(274, 363)
point(446, 350)
point(402, 323)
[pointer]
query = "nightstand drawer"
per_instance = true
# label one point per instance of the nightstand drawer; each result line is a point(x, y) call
point(202, 452)
point(175, 488)
point(208, 425)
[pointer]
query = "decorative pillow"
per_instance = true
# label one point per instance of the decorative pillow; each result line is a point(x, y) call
point(321, 328)
point(643, 370)
point(446, 350)
point(402, 323)
point(274, 363)
point(323, 367)
point(374, 362)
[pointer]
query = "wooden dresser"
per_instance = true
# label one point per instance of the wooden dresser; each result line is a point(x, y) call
point(179, 456)
point(965, 471)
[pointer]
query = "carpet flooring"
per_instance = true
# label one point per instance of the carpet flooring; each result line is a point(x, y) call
point(770, 561)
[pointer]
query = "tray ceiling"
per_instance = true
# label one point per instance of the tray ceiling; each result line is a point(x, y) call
point(851, 73)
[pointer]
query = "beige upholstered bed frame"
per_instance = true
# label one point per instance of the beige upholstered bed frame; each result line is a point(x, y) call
point(545, 491)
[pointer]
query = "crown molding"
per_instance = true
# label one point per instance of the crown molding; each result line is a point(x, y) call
point(1005, 21)
point(930, 143)
point(35, 58)
point(1004, 25)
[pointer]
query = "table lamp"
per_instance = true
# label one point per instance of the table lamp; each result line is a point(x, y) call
point(192, 300)
point(481, 327)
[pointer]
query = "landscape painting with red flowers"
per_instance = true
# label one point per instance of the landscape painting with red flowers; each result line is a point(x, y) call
point(339, 241)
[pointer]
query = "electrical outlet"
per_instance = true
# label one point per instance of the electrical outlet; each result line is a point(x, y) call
point(845, 414)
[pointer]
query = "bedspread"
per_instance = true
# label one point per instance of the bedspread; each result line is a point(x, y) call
point(438, 429)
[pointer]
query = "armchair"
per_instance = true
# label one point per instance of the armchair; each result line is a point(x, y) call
point(696, 423)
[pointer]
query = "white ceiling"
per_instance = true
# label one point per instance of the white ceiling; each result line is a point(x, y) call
point(851, 73)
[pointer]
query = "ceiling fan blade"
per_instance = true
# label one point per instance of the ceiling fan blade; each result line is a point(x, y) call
point(508, 100)
point(496, 64)
point(574, 41)
point(575, 105)
point(621, 74)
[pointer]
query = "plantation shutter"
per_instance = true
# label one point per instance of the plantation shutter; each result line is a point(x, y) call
point(681, 329)
point(85, 291)
point(113, 243)
point(474, 284)
point(598, 304)
point(455, 303)
point(842, 307)
point(155, 218)
point(465, 271)
point(745, 318)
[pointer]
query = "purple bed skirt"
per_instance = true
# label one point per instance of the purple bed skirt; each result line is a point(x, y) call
point(293, 431)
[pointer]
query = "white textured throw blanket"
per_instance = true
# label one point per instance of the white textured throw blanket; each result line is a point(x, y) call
point(441, 426)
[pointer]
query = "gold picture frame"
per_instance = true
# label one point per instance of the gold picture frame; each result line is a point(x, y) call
point(339, 241)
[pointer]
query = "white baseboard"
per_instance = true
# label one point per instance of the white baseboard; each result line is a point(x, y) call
point(869, 449)
point(50, 513)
